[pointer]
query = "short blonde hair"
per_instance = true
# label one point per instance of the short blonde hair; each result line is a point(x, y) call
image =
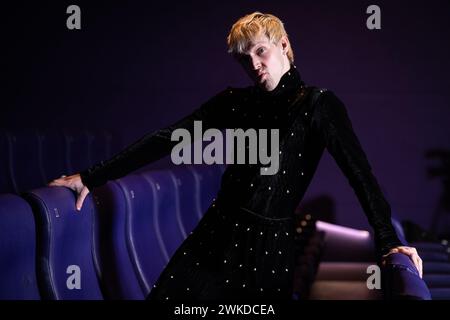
point(252, 25)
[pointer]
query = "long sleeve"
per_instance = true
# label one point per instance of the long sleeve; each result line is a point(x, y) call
point(341, 142)
point(157, 144)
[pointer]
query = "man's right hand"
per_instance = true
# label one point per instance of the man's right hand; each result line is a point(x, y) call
point(72, 182)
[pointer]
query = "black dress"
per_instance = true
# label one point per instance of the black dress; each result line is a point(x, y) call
point(243, 247)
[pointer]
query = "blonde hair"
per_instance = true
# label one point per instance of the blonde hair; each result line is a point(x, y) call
point(252, 25)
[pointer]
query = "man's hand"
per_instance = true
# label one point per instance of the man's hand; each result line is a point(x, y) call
point(411, 253)
point(72, 182)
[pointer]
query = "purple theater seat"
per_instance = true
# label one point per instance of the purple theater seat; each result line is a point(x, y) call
point(17, 250)
point(143, 237)
point(168, 223)
point(189, 195)
point(209, 177)
point(401, 280)
point(6, 177)
point(26, 160)
point(112, 255)
point(65, 265)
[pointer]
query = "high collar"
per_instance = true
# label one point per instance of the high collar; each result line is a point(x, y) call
point(289, 82)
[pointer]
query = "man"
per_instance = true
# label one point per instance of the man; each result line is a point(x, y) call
point(243, 246)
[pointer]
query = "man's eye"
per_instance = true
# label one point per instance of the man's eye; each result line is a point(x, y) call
point(260, 50)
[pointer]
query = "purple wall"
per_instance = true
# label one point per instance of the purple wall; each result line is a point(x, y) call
point(136, 67)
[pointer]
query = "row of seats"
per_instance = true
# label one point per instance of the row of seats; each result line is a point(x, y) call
point(128, 229)
point(28, 159)
point(114, 248)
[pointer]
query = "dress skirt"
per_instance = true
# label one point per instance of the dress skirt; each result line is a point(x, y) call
point(231, 255)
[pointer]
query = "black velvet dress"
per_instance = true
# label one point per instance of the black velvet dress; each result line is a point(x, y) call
point(243, 247)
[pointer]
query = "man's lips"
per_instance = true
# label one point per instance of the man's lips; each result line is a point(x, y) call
point(261, 75)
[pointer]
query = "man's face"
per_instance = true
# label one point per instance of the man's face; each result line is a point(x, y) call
point(265, 62)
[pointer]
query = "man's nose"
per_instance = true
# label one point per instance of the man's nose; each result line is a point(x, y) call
point(256, 64)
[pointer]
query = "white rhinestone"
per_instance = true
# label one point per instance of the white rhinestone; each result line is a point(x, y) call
point(225, 261)
point(261, 289)
point(184, 253)
point(240, 266)
point(279, 289)
point(154, 286)
point(280, 152)
point(287, 191)
point(232, 109)
point(279, 252)
point(251, 184)
point(292, 134)
point(261, 233)
point(236, 224)
point(287, 233)
point(254, 269)
point(282, 85)
point(306, 113)
point(284, 171)
point(227, 281)
point(273, 271)
point(299, 154)
point(251, 249)
point(289, 73)
point(276, 234)
point(171, 277)
point(287, 269)
point(167, 298)
point(267, 252)
point(248, 229)
point(243, 286)
point(270, 188)
point(301, 173)
point(236, 245)
point(197, 263)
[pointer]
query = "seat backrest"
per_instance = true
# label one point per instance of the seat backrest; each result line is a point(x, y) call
point(65, 265)
point(401, 280)
point(209, 177)
point(188, 186)
point(168, 222)
point(113, 260)
point(144, 239)
point(17, 250)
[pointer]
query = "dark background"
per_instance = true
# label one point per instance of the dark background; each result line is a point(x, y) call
point(136, 66)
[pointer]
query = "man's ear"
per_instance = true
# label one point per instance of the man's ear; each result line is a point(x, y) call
point(285, 45)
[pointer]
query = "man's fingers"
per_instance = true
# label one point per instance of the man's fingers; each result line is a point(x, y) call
point(84, 192)
point(414, 256)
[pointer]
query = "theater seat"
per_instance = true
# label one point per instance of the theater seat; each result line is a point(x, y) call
point(143, 237)
point(167, 220)
point(17, 250)
point(114, 265)
point(65, 265)
point(188, 187)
